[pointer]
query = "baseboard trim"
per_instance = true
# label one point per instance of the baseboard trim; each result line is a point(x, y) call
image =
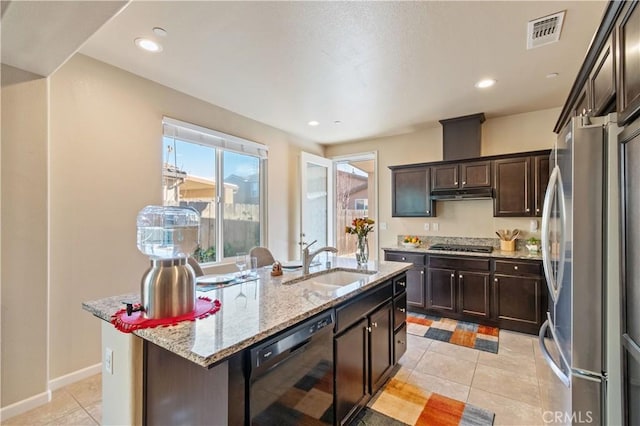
point(67, 379)
point(24, 405)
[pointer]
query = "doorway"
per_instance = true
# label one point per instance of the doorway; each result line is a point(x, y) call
point(355, 196)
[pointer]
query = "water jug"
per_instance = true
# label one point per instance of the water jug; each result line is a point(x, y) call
point(168, 235)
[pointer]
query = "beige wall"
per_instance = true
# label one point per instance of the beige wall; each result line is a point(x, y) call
point(106, 159)
point(104, 151)
point(24, 235)
point(472, 218)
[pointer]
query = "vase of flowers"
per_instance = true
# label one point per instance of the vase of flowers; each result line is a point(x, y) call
point(361, 226)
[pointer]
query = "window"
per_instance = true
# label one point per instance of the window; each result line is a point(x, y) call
point(361, 204)
point(232, 215)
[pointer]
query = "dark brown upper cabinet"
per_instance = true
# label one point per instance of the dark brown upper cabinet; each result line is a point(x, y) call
point(410, 192)
point(628, 94)
point(540, 181)
point(602, 81)
point(582, 105)
point(513, 187)
point(475, 174)
point(520, 185)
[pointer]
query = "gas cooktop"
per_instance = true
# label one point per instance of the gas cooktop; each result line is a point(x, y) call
point(458, 247)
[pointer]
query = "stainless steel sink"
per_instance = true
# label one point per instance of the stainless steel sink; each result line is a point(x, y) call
point(326, 285)
point(338, 277)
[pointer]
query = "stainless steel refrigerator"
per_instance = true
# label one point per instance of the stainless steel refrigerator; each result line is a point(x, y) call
point(572, 339)
point(630, 339)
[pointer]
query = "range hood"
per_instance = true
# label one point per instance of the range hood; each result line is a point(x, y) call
point(463, 194)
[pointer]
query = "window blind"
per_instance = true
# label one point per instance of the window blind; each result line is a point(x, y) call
point(201, 135)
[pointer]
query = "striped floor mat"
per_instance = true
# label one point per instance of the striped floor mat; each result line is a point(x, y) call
point(461, 333)
point(401, 404)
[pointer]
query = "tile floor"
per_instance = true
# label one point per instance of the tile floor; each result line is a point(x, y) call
point(510, 383)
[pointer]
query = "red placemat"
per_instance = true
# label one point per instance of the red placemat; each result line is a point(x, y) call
point(135, 321)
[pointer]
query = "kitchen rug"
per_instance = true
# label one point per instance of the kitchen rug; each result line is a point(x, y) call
point(461, 333)
point(401, 404)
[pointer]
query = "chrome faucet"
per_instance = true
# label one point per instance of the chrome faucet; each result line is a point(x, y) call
point(308, 257)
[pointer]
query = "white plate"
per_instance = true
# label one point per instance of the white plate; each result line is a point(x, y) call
point(214, 279)
point(293, 264)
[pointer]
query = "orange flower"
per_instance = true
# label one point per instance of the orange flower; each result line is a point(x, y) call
point(360, 226)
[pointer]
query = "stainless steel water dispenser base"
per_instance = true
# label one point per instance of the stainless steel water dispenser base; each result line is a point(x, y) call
point(168, 288)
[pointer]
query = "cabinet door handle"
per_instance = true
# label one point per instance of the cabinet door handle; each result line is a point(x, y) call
point(526, 210)
point(464, 182)
point(460, 276)
point(455, 183)
point(421, 272)
point(515, 267)
point(266, 354)
point(404, 258)
point(402, 309)
point(537, 211)
point(374, 324)
point(400, 342)
point(369, 329)
point(495, 280)
point(428, 212)
point(453, 275)
point(402, 283)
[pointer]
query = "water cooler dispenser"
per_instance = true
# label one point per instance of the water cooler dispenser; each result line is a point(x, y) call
point(168, 235)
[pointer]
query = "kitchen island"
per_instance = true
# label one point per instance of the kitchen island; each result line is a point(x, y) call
point(251, 312)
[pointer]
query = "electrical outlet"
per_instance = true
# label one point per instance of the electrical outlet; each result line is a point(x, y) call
point(533, 225)
point(383, 226)
point(108, 360)
point(426, 226)
point(436, 226)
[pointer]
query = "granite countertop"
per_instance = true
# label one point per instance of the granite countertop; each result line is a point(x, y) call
point(250, 312)
point(518, 254)
point(427, 241)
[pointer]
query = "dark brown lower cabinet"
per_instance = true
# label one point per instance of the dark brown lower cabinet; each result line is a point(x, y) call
point(399, 343)
point(415, 286)
point(415, 276)
point(473, 290)
point(517, 302)
point(350, 363)
point(364, 352)
point(459, 286)
point(380, 346)
point(442, 289)
point(519, 295)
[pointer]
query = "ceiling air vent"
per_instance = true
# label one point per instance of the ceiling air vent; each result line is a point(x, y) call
point(544, 30)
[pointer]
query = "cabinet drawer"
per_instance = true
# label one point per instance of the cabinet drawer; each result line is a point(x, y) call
point(514, 267)
point(400, 256)
point(459, 263)
point(352, 311)
point(399, 343)
point(399, 310)
point(399, 284)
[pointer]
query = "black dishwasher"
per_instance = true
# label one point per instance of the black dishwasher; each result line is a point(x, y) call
point(291, 376)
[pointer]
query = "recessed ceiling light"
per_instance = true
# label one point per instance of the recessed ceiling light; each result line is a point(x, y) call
point(552, 75)
point(483, 84)
point(148, 45)
point(313, 123)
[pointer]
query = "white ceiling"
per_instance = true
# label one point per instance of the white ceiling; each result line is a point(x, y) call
point(380, 68)
point(39, 36)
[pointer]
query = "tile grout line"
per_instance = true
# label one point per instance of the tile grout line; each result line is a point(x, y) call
point(83, 407)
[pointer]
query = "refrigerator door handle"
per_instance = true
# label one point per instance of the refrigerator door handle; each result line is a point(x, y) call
point(631, 346)
point(554, 282)
point(547, 357)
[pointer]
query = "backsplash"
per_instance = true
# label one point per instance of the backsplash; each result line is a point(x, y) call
point(429, 240)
